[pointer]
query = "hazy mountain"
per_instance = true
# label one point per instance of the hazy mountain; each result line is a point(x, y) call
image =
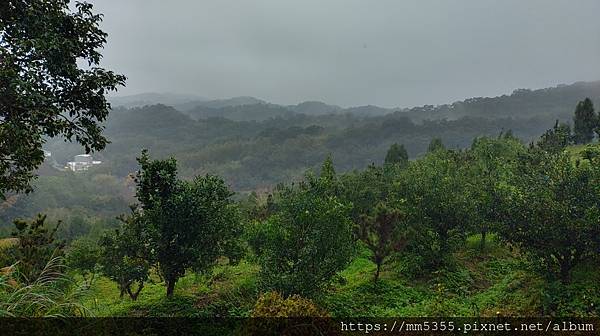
point(143, 99)
point(368, 111)
point(256, 112)
point(219, 103)
point(549, 103)
point(314, 108)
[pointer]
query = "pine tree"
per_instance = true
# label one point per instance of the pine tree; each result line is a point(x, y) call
point(556, 138)
point(327, 169)
point(397, 154)
point(435, 145)
point(585, 122)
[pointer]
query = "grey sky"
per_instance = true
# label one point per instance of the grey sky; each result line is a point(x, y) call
point(351, 52)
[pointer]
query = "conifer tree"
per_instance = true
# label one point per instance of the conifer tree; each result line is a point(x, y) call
point(397, 154)
point(585, 122)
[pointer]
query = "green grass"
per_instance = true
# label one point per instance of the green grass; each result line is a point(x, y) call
point(229, 290)
point(480, 283)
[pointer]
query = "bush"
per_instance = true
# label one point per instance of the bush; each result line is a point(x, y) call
point(272, 304)
point(274, 315)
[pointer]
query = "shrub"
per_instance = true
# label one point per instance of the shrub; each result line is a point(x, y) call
point(272, 304)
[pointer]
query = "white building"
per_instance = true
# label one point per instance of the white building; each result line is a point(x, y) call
point(82, 162)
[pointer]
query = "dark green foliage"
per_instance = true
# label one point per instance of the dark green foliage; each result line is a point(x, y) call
point(436, 144)
point(489, 162)
point(308, 240)
point(187, 223)
point(35, 248)
point(383, 233)
point(397, 154)
point(551, 206)
point(304, 244)
point(83, 255)
point(45, 92)
point(123, 255)
point(556, 139)
point(585, 122)
point(437, 204)
point(365, 189)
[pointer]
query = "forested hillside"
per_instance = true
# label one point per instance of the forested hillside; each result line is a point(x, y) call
point(259, 145)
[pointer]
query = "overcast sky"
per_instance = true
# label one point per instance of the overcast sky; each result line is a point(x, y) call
point(393, 53)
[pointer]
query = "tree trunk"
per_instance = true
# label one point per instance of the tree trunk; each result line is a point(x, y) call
point(134, 295)
point(443, 235)
point(377, 272)
point(483, 235)
point(170, 287)
point(565, 272)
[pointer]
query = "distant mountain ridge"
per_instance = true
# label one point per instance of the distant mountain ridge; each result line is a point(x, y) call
point(554, 102)
point(151, 98)
point(259, 145)
point(549, 103)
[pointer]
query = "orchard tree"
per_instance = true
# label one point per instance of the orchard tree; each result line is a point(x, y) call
point(551, 210)
point(189, 224)
point(384, 233)
point(490, 162)
point(437, 204)
point(585, 122)
point(307, 241)
point(123, 255)
point(365, 189)
point(50, 83)
point(83, 254)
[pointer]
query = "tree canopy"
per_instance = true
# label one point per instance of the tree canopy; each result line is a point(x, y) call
point(584, 122)
point(50, 83)
point(188, 224)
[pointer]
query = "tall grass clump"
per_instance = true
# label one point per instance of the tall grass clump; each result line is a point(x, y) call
point(51, 294)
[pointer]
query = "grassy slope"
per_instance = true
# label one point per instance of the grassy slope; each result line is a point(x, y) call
point(482, 284)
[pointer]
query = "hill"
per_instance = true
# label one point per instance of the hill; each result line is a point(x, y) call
point(548, 103)
point(152, 98)
point(260, 145)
